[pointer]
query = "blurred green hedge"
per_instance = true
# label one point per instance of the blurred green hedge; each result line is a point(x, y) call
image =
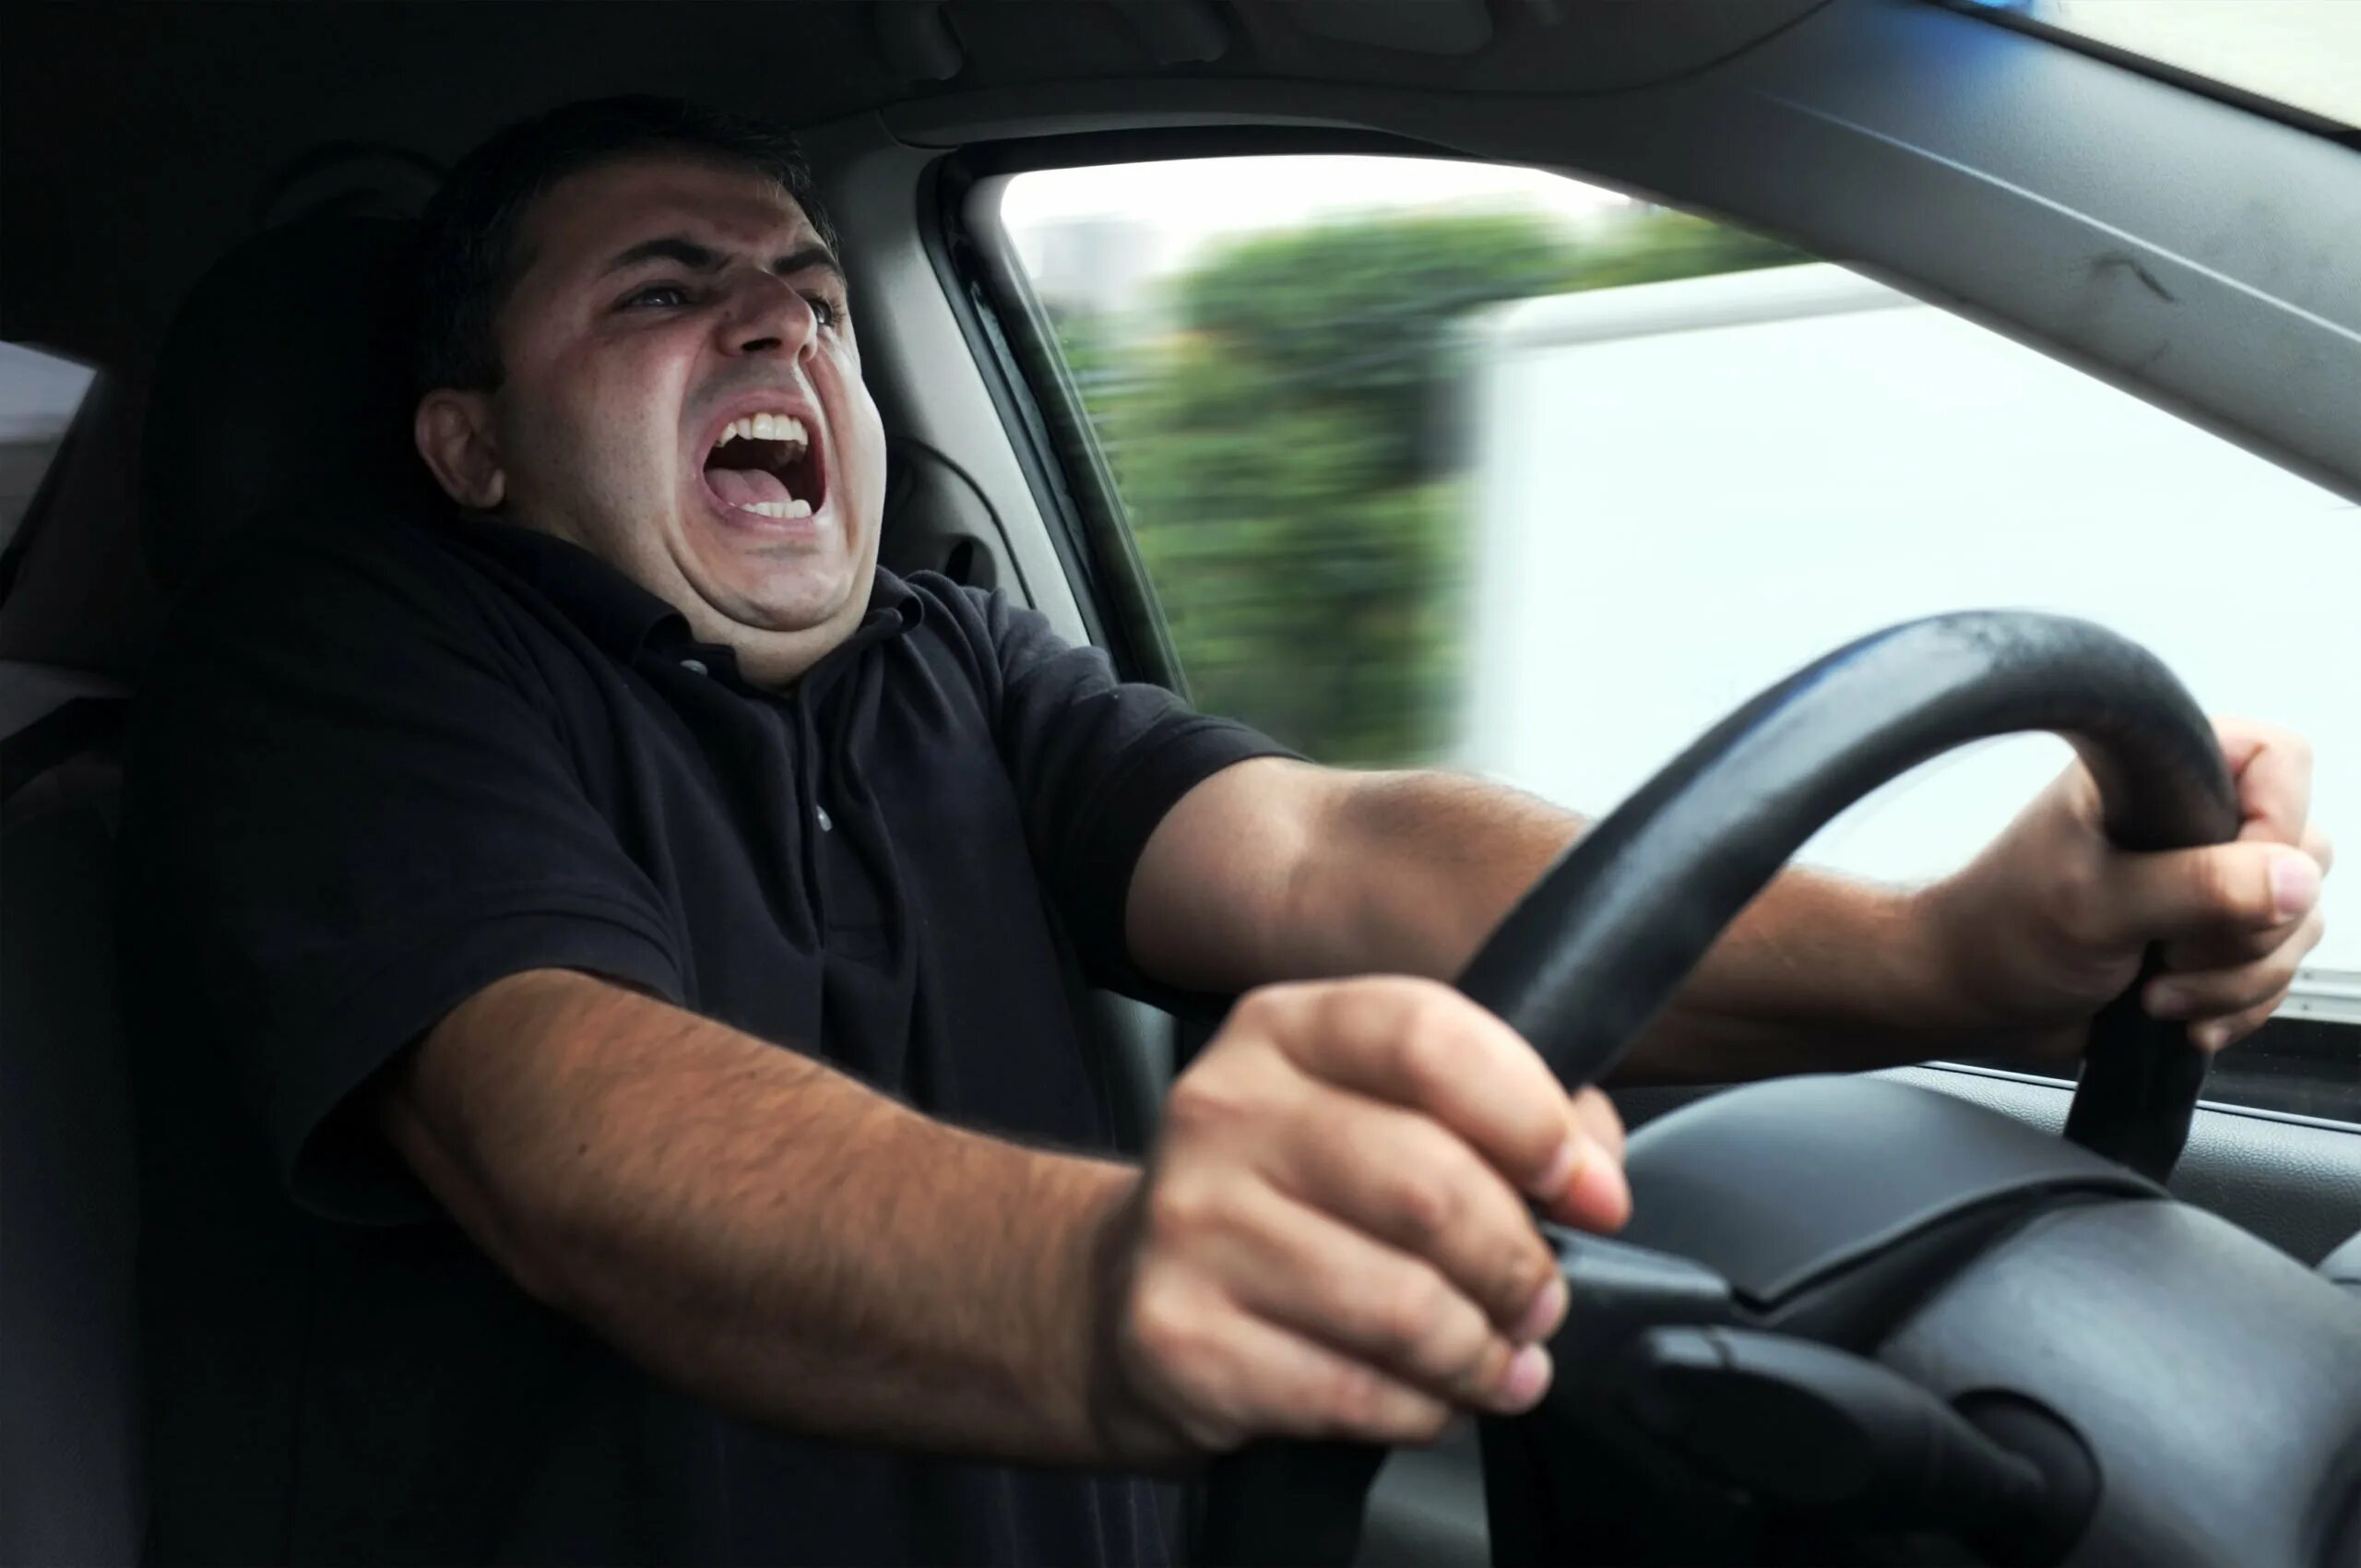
point(1285, 447)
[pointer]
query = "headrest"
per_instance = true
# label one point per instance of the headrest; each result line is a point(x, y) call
point(284, 379)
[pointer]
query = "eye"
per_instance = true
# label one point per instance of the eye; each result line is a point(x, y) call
point(657, 296)
point(827, 311)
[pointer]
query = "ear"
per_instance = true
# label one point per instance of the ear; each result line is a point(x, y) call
point(453, 432)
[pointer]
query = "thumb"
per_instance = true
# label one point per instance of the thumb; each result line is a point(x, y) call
point(2177, 894)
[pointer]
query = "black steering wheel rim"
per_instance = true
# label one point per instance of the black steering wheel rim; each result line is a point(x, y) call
point(1598, 946)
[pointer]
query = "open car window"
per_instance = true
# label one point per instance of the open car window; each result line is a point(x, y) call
point(1436, 462)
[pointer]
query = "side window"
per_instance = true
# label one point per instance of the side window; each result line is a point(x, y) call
point(39, 395)
point(1435, 462)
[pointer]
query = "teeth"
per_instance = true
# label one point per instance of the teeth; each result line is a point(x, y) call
point(779, 508)
point(766, 427)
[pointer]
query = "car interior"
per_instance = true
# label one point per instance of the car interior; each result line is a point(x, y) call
point(2116, 1349)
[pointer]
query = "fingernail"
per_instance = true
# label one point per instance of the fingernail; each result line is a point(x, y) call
point(2210, 1037)
point(2295, 883)
point(1548, 1311)
point(1525, 1379)
point(2167, 1002)
point(1561, 1169)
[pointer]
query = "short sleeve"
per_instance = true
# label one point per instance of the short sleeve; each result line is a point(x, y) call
point(349, 806)
point(1097, 763)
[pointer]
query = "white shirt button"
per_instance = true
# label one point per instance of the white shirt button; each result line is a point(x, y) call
point(826, 825)
point(695, 667)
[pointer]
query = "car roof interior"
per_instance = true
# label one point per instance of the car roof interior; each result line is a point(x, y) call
point(2050, 193)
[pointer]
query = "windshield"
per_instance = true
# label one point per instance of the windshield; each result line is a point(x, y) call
point(2303, 54)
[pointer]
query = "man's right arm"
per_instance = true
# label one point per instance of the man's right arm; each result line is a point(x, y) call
point(760, 1229)
point(1329, 1241)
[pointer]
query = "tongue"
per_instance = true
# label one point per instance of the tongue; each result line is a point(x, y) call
point(746, 487)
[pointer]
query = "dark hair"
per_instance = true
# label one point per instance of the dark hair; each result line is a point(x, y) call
point(468, 254)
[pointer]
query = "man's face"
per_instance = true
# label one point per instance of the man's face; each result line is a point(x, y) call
point(683, 397)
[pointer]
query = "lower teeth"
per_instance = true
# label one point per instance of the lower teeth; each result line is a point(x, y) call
point(779, 508)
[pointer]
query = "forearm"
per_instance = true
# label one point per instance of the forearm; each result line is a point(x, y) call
point(1415, 870)
point(762, 1230)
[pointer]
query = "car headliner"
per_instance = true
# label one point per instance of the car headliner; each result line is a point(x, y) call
point(141, 138)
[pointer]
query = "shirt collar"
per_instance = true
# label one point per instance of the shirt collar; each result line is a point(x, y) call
point(622, 616)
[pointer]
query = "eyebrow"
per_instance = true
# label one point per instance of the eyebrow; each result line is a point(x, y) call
point(682, 251)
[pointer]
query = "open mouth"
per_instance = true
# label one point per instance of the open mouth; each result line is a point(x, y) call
point(767, 466)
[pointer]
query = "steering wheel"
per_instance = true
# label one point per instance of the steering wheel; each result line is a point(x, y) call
point(1598, 946)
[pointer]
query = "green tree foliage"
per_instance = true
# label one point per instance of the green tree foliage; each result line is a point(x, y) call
point(1284, 454)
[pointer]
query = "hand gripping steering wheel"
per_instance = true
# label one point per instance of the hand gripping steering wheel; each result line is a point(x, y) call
point(1598, 946)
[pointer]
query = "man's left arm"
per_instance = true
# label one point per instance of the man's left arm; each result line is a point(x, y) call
point(1277, 870)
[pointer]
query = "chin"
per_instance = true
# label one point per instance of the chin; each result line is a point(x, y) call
point(787, 607)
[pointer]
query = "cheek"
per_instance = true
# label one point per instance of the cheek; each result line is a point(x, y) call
point(864, 422)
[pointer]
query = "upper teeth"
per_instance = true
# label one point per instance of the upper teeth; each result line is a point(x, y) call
point(766, 427)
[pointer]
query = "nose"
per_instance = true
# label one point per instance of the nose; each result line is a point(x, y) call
point(769, 315)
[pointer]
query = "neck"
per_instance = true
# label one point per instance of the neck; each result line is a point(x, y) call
point(776, 660)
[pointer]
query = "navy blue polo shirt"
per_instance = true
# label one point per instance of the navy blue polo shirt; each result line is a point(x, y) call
point(377, 765)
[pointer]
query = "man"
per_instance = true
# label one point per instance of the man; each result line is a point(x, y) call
point(646, 934)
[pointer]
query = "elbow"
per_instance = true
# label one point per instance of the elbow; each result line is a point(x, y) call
point(463, 1112)
point(513, 1231)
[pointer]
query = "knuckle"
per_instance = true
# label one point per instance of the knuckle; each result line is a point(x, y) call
point(1482, 1372)
point(1411, 1315)
point(1355, 1396)
point(1180, 1212)
point(1431, 1006)
point(1205, 1101)
point(1164, 1325)
point(1423, 1209)
point(1423, 1049)
point(1521, 1276)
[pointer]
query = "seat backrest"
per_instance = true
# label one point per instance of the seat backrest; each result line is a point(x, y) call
point(70, 1445)
point(243, 416)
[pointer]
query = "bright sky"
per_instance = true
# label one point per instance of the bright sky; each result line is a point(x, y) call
point(1187, 203)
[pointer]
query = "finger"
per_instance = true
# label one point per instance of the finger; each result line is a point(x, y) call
point(1420, 1044)
point(2228, 950)
point(2274, 770)
point(1406, 1180)
point(2211, 893)
point(1300, 1268)
point(1251, 1378)
point(2217, 993)
point(1597, 1116)
point(2218, 1034)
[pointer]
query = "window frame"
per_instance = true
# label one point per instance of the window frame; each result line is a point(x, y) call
point(1083, 497)
point(2148, 66)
